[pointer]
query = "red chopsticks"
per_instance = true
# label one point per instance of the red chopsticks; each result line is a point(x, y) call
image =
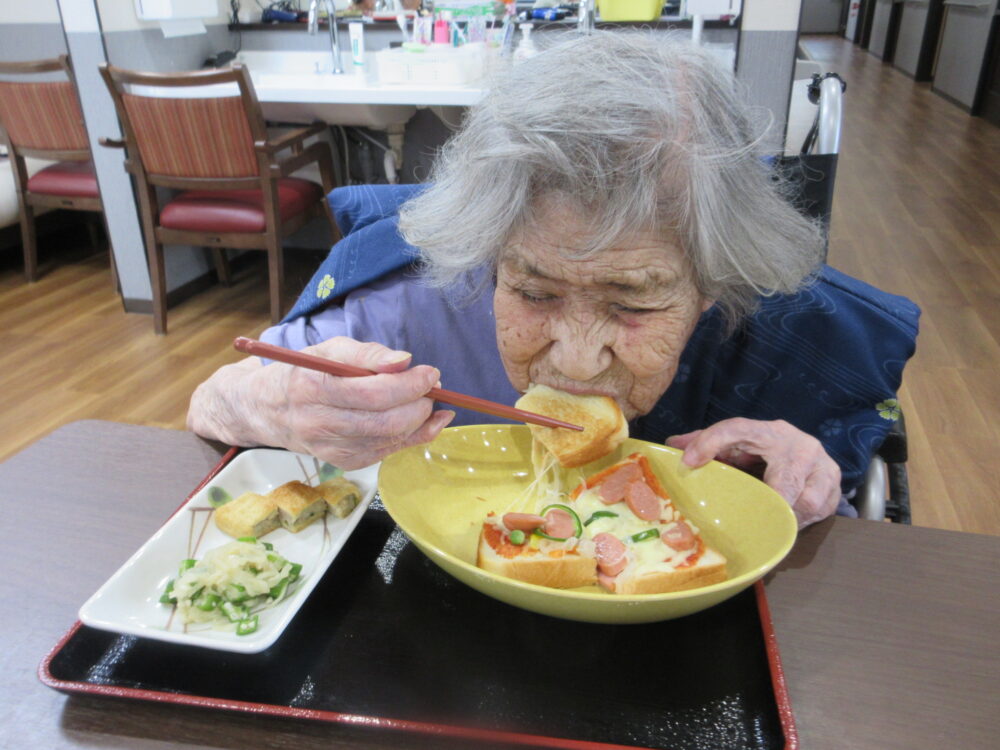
point(329, 366)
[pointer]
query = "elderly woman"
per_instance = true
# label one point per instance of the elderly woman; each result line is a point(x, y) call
point(603, 223)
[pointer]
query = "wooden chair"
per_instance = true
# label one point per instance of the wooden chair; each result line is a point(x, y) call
point(43, 119)
point(235, 191)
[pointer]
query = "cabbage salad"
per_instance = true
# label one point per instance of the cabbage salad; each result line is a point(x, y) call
point(231, 584)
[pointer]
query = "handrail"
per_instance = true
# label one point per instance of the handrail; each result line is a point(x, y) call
point(831, 98)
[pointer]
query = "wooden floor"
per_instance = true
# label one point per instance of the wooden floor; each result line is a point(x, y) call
point(917, 212)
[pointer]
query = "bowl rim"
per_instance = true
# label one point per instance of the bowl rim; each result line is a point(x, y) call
point(737, 583)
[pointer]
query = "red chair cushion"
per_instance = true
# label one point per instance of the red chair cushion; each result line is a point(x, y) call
point(74, 179)
point(236, 210)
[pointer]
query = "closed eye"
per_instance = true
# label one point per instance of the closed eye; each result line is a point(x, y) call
point(633, 310)
point(535, 297)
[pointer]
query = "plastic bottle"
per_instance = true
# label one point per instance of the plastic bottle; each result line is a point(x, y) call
point(357, 36)
point(527, 46)
point(442, 28)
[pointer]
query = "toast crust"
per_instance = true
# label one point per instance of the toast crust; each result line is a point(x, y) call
point(604, 425)
point(710, 568)
point(565, 571)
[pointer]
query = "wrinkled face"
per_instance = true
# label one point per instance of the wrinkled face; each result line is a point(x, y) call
point(614, 324)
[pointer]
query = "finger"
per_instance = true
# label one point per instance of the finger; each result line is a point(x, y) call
point(376, 393)
point(385, 427)
point(372, 453)
point(367, 354)
point(820, 496)
point(682, 441)
point(742, 435)
point(431, 428)
point(788, 479)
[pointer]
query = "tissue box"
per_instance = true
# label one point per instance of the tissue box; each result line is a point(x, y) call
point(629, 10)
point(438, 64)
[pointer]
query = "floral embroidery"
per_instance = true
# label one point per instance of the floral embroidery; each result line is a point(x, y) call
point(888, 409)
point(326, 285)
point(831, 427)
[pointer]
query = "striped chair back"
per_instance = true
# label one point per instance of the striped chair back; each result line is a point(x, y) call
point(42, 116)
point(203, 138)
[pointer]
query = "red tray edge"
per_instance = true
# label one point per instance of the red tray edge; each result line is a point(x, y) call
point(45, 675)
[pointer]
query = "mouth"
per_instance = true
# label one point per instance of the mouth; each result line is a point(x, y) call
point(579, 389)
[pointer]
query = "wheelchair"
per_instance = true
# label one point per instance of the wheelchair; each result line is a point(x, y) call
point(884, 492)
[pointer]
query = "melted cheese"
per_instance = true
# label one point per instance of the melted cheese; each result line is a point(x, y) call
point(547, 487)
point(649, 555)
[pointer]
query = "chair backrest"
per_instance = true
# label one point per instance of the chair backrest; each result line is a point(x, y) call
point(42, 118)
point(181, 133)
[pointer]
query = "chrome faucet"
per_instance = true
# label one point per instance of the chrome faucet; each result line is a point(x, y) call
point(331, 11)
point(585, 16)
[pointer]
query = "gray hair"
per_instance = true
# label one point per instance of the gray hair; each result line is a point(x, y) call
point(639, 133)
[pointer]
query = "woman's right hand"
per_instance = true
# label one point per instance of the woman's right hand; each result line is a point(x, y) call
point(350, 422)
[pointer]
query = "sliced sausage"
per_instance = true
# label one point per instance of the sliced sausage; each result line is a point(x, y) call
point(610, 553)
point(612, 489)
point(559, 523)
point(606, 581)
point(678, 537)
point(522, 521)
point(642, 501)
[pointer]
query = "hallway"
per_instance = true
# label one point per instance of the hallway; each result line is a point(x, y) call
point(917, 212)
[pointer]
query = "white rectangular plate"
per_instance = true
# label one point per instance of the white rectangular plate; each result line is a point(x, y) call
point(129, 601)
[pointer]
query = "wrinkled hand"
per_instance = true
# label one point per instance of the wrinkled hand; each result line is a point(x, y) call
point(350, 422)
point(788, 460)
point(354, 422)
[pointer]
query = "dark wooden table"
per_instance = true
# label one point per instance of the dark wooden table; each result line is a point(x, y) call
point(889, 634)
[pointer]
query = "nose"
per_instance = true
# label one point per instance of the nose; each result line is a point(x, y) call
point(581, 345)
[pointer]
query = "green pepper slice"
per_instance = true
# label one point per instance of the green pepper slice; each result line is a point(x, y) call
point(208, 602)
point(278, 590)
point(234, 612)
point(577, 525)
point(600, 514)
point(166, 597)
point(186, 565)
point(247, 626)
point(236, 592)
point(644, 535)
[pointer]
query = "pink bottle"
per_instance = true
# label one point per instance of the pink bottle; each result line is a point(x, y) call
point(442, 32)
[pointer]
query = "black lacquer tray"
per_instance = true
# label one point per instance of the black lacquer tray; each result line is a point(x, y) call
point(389, 640)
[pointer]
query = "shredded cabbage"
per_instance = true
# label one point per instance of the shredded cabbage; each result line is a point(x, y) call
point(230, 584)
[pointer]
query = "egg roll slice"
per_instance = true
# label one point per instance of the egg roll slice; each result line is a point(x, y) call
point(298, 505)
point(341, 495)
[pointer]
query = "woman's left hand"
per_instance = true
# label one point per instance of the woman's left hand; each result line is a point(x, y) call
point(792, 462)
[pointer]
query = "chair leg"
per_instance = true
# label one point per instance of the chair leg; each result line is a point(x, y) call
point(222, 269)
point(95, 240)
point(158, 280)
point(115, 284)
point(276, 274)
point(29, 240)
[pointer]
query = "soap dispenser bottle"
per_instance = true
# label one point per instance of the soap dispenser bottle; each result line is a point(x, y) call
point(526, 48)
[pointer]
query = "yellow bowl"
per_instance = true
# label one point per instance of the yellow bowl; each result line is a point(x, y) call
point(440, 493)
